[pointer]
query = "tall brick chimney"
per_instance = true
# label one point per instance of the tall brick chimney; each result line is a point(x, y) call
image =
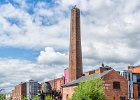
point(75, 57)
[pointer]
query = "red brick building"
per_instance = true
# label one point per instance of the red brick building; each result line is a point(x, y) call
point(110, 78)
point(99, 70)
point(56, 83)
point(19, 91)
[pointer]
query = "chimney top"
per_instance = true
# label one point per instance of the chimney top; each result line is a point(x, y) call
point(74, 7)
point(103, 65)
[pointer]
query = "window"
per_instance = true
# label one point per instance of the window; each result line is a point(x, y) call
point(138, 78)
point(113, 98)
point(116, 85)
point(138, 91)
point(67, 97)
point(122, 98)
point(129, 76)
point(134, 78)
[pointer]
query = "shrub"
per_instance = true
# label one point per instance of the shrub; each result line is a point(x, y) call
point(89, 90)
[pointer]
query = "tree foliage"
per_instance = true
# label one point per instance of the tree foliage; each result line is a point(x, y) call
point(89, 90)
point(24, 98)
point(36, 97)
point(48, 98)
point(2, 96)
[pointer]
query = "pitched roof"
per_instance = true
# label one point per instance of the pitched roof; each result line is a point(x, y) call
point(85, 78)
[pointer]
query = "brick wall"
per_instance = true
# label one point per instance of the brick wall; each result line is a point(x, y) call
point(99, 70)
point(89, 72)
point(19, 91)
point(56, 83)
point(75, 57)
point(135, 87)
point(67, 92)
point(114, 94)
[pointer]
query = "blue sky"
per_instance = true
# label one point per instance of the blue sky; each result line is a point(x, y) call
point(14, 52)
point(18, 53)
point(34, 37)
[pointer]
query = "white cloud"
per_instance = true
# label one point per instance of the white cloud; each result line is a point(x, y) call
point(36, 34)
point(14, 71)
point(49, 56)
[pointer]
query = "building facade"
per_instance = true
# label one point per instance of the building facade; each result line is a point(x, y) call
point(136, 80)
point(115, 86)
point(8, 96)
point(66, 75)
point(45, 87)
point(32, 89)
point(128, 75)
point(19, 91)
point(56, 83)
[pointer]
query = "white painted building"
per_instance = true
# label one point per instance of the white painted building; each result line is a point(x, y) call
point(8, 96)
point(128, 75)
point(32, 89)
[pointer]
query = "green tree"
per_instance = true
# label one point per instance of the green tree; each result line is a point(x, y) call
point(24, 98)
point(36, 97)
point(48, 98)
point(2, 96)
point(89, 90)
